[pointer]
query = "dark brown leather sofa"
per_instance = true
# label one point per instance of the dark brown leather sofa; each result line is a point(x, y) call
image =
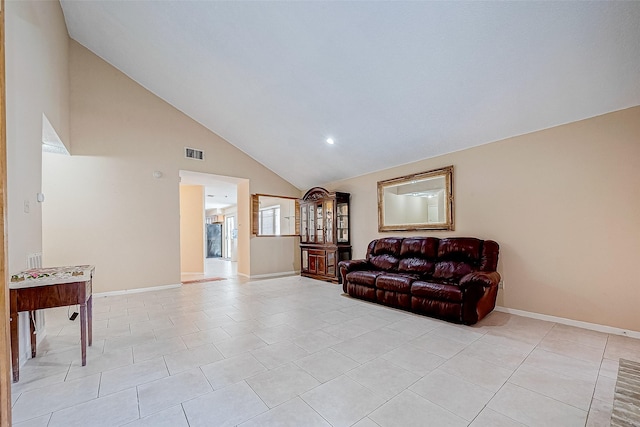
point(454, 279)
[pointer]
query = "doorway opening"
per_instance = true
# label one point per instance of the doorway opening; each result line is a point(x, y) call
point(209, 241)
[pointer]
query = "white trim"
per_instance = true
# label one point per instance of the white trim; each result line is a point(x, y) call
point(135, 290)
point(283, 273)
point(570, 322)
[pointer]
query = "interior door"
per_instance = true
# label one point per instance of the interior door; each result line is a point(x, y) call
point(229, 225)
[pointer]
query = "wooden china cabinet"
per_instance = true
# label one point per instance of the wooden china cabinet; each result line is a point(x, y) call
point(324, 233)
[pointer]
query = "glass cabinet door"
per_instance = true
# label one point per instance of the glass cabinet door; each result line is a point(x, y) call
point(312, 223)
point(328, 217)
point(342, 222)
point(319, 224)
point(304, 231)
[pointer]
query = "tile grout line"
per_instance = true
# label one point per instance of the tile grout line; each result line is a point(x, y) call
point(563, 355)
point(185, 413)
point(596, 384)
point(514, 371)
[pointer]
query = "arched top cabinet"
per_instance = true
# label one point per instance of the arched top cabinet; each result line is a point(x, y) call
point(324, 233)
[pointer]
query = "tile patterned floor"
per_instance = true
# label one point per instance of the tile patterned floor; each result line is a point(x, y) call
point(213, 268)
point(295, 352)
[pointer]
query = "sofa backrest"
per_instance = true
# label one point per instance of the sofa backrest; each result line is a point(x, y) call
point(384, 253)
point(418, 255)
point(457, 257)
point(489, 256)
point(446, 259)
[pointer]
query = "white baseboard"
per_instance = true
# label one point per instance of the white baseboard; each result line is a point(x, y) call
point(570, 322)
point(280, 274)
point(244, 275)
point(135, 290)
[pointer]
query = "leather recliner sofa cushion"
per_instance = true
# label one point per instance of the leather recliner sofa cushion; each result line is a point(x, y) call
point(436, 291)
point(395, 282)
point(393, 299)
point(444, 309)
point(364, 277)
point(362, 292)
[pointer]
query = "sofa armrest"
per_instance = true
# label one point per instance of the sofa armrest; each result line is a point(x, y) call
point(346, 267)
point(480, 290)
point(483, 278)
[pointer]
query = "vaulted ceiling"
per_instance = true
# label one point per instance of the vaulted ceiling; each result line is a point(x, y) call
point(390, 82)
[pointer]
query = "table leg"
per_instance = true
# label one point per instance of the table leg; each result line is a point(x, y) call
point(15, 362)
point(32, 332)
point(83, 332)
point(90, 319)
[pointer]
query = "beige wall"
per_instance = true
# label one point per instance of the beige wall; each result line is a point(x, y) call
point(37, 79)
point(103, 205)
point(244, 230)
point(37, 83)
point(564, 204)
point(192, 229)
point(266, 253)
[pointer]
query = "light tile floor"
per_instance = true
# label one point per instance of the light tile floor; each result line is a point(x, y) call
point(214, 267)
point(296, 352)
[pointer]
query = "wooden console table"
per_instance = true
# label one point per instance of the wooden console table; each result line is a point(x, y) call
point(40, 288)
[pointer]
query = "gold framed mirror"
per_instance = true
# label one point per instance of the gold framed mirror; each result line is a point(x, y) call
point(422, 201)
point(274, 215)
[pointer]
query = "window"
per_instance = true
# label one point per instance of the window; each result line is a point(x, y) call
point(274, 215)
point(269, 220)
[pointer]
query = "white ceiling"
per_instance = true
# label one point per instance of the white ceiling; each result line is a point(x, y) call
point(391, 82)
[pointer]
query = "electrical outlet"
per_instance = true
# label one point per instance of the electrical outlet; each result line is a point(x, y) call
point(501, 284)
point(26, 206)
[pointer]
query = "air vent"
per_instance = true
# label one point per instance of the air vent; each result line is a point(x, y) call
point(192, 153)
point(34, 260)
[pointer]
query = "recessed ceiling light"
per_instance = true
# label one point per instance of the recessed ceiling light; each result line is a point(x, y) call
point(330, 141)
